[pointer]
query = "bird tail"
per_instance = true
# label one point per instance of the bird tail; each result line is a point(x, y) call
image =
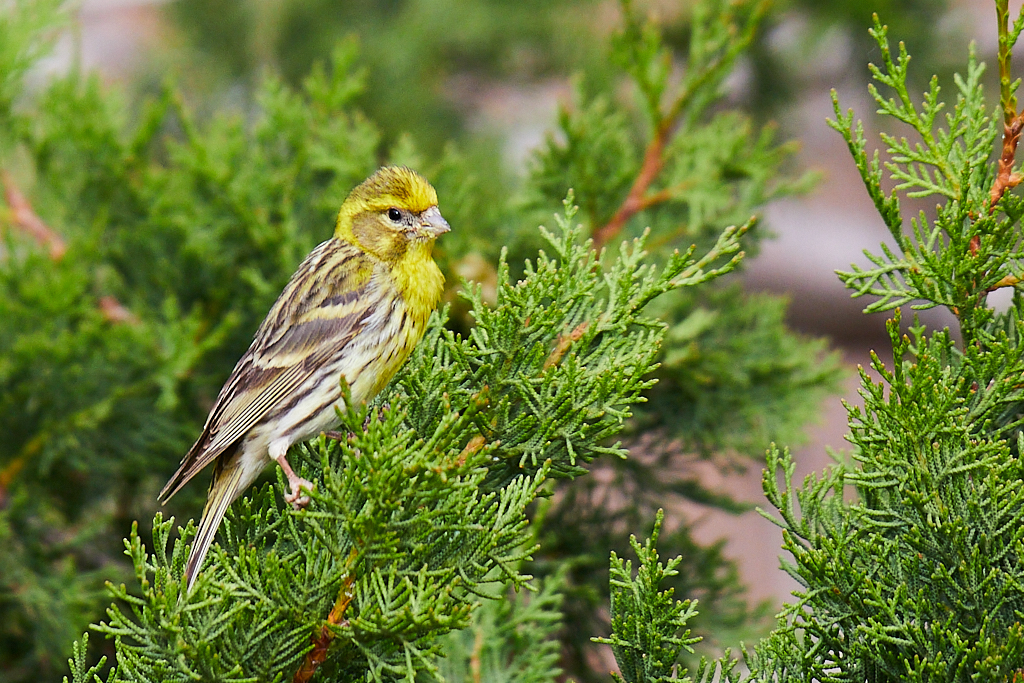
point(227, 484)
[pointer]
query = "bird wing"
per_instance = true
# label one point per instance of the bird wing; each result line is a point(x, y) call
point(320, 311)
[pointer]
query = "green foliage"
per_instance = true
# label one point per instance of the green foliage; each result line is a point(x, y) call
point(508, 641)
point(918, 582)
point(666, 158)
point(408, 542)
point(919, 576)
point(955, 259)
point(189, 238)
point(411, 516)
point(182, 223)
point(648, 626)
point(723, 349)
point(712, 167)
point(561, 355)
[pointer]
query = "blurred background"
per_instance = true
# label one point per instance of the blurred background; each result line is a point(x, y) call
point(492, 76)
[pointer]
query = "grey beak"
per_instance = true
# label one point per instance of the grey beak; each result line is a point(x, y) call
point(433, 223)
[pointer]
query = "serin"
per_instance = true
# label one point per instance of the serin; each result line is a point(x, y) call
point(353, 311)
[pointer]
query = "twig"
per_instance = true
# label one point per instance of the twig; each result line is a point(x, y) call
point(318, 655)
point(25, 218)
point(1005, 178)
point(564, 342)
point(637, 200)
point(1013, 123)
point(7, 475)
point(115, 312)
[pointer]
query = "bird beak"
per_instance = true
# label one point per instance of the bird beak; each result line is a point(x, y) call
point(433, 223)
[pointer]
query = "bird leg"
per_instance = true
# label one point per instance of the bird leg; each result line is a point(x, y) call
point(295, 482)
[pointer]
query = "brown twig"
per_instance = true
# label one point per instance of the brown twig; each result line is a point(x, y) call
point(637, 200)
point(7, 475)
point(1013, 122)
point(564, 342)
point(1013, 125)
point(115, 312)
point(318, 655)
point(26, 219)
point(1005, 178)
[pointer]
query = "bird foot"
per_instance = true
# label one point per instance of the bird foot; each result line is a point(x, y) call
point(295, 496)
point(295, 485)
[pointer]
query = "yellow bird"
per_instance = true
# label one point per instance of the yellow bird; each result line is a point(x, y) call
point(354, 310)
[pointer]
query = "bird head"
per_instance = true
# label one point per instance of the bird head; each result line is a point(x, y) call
point(390, 212)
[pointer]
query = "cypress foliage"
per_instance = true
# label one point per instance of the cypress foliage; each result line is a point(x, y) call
point(920, 575)
point(143, 245)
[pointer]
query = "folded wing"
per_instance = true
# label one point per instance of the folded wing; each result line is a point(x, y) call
point(320, 311)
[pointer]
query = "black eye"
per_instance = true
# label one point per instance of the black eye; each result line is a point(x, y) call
point(395, 215)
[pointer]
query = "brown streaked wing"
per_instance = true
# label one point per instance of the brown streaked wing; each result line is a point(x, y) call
point(294, 340)
point(257, 401)
point(200, 455)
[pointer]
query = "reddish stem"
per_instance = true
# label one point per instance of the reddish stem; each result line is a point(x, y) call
point(25, 218)
point(321, 644)
point(1005, 178)
point(637, 200)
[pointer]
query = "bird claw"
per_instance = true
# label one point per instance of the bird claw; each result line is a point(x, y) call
point(295, 496)
point(295, 484)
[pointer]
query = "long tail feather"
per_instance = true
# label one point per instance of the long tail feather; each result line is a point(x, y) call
point(223, 490)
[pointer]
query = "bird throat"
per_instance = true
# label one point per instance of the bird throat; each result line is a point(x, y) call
point(419, 280)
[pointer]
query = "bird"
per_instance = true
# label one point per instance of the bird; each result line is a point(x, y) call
point(353, 311)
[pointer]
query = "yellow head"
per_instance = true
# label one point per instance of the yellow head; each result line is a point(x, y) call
point(391, 212)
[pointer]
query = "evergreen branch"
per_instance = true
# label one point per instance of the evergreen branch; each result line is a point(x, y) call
point(80, 671)
point(318, 654)
point(562, 355)
point(510, 640)
point(637, 199)
point(419, 503)
point(26, 219)
point(648, 627)
point(903, 109)
point(936, 485)
point(1013, 123)
point(715, 43)
point(939, 260)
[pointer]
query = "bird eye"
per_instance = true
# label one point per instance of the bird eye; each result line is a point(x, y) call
point(394, 214)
